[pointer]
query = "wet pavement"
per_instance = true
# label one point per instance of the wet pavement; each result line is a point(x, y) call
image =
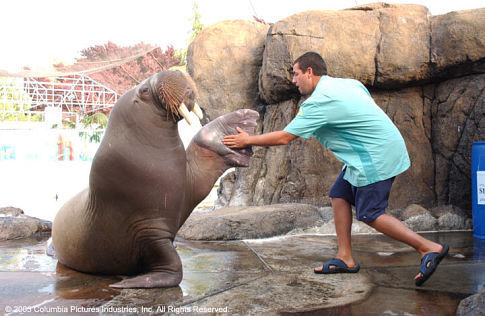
point(268, 277)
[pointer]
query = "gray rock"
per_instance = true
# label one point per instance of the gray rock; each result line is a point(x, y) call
point(458, 120)
point(225, 190)
point(10, 211)
point(473, 305)
point(328, 228)
point(397, 213)
point(441, 210)
point(423, 222)
point(454, 222)
point(415, 210)
point(250, 222)
point(326, 213)
point(14, 224)
point(452, 217)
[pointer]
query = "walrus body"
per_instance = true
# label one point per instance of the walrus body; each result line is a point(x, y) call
point(143, 185)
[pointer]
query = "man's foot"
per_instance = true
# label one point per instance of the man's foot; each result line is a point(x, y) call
point(336, 266)
point(429, 263)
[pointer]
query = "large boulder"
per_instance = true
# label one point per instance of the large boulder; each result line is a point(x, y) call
point(347, 40)
point(224, 61)
point(383, 45)
point(458, 43)
point(14, 224)
point(402, 52)
point(250, 222)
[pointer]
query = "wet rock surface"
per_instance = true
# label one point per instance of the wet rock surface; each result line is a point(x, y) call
point(260, 276)
point(246, 222)
point(473, 305)
point(250, 222)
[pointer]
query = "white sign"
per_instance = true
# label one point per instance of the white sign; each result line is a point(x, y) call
point(481, 187)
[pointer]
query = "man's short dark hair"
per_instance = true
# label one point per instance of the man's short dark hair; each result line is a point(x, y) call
point(313, 60)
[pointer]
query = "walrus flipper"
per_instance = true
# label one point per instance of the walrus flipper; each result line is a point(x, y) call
point(150, 280)
point(163, 264)
point(50, 249)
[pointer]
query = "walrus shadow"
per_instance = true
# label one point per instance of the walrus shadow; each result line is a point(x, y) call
point(71, 284)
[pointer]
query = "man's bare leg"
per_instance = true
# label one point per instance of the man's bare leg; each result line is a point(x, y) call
point(342, 214)
point(395, 229)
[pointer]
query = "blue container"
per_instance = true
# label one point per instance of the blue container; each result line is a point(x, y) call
point(478, 189)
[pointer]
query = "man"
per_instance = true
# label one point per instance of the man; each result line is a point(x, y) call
point(344, 118)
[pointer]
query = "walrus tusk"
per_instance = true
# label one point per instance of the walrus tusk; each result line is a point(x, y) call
point(184, 112)
point(198, 111)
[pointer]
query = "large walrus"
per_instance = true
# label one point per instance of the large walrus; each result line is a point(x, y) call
point(143, 184)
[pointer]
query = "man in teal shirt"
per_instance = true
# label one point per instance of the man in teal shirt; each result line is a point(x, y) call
point(343, 117)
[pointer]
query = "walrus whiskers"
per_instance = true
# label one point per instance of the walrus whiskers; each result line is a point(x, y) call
point(173, 92)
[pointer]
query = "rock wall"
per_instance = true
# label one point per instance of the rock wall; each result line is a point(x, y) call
point(224, 61)
point(426, 72)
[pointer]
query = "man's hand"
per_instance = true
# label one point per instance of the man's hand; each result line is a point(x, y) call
point(236, 141)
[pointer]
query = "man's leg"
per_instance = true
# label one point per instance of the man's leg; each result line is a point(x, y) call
point(395, 229)
point(342, 214)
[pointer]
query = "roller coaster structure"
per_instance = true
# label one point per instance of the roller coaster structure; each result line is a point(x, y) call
point(74, 95)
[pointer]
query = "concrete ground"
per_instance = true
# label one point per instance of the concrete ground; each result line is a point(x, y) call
point(267, 277)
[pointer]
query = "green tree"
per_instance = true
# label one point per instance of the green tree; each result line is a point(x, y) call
point(14, 101)
point(93, 126)
point(197, 26)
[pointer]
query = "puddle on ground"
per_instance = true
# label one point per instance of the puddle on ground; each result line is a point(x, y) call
point(26, 255)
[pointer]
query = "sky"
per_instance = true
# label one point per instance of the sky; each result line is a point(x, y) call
point(38, 33)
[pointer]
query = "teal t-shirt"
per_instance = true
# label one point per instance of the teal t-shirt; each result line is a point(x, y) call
point(344, 118)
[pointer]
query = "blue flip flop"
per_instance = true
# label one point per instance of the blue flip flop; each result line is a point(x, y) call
point(337, 266)
point(429, 263)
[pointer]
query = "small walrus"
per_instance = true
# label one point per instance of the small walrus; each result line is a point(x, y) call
point(143, 184)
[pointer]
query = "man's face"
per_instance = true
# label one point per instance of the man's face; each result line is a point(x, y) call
point(302, 79)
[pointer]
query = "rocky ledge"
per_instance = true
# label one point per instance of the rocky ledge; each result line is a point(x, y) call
point(249, 222)
point(14, 224)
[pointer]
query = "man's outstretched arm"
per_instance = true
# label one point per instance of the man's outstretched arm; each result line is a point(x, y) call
point(242, 139)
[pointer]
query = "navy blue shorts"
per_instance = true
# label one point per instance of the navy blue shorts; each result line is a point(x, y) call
point(370, 201)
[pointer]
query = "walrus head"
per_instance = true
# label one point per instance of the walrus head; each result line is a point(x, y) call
point(175, 94)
